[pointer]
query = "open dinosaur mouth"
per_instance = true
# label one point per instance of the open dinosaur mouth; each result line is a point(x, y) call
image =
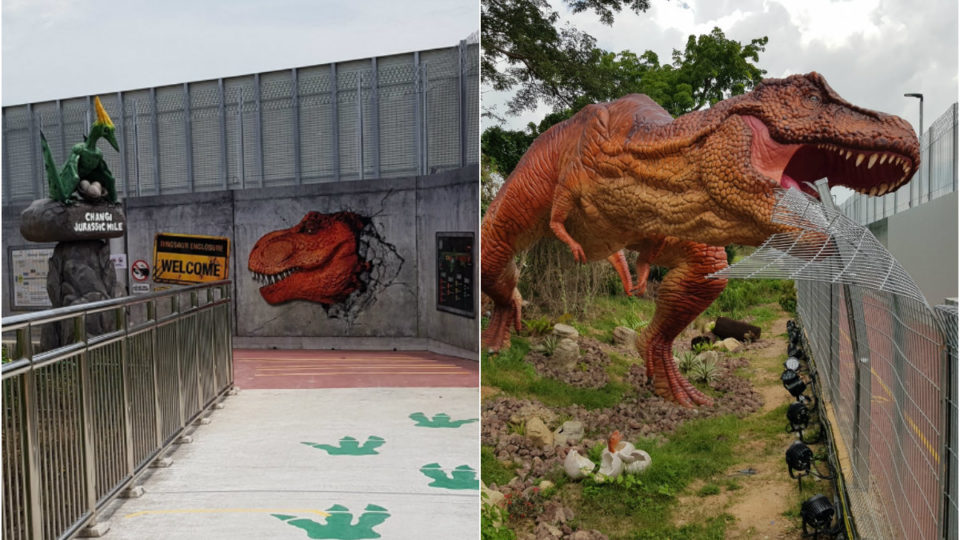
point(872, 172)
point(272, 279)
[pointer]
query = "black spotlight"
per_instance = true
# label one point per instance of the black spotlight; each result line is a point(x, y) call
point(800, 459)
point(799, 417)
point(793, 383)
point(818, 512)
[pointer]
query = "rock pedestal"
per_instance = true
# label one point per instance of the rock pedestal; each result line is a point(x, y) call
point(80, 270)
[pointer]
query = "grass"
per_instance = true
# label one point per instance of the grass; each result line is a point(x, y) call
point(508, 372)
point(698, 449)
point(491, 470)
point(741, 298)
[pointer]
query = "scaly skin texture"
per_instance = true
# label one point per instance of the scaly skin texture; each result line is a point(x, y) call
point(626, 175)
point(315, 260)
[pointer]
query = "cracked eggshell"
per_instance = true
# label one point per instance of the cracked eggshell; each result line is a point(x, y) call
point(637, 461)
point(577, 466)
point(610, 464)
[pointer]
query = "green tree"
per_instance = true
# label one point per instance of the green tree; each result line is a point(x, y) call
point(538, 57)
point(710, 68)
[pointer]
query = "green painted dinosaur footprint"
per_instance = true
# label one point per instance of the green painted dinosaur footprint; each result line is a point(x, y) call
point(351, 447)
point(463, 477)
point(440, 420)
point(339, 524)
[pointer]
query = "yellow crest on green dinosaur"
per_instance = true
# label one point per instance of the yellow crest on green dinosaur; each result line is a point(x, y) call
point(102, 117)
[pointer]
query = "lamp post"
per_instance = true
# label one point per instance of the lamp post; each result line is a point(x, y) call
point(919, 96)
point(920, 136)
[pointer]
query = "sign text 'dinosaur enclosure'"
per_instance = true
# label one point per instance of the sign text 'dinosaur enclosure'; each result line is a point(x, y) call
point(189, 259)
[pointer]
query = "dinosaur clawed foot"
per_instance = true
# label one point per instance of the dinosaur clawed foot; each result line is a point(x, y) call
point(505, 317)
point(669, 383)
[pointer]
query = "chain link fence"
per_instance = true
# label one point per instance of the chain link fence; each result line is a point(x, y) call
point(886, 361)
point(393, 116)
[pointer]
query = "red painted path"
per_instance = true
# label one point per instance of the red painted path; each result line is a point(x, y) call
point(283, 369)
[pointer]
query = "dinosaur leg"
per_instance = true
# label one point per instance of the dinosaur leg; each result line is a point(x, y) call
point(498, 276)
point(103, 175)
point(684, 294)
point(619, 262)
point(562, 204)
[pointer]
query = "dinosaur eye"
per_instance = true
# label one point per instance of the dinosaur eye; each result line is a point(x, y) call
point(813, 99)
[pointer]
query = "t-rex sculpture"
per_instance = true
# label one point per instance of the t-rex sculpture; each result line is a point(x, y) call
point(626, 175)
point(315, 260)
point(84, 163)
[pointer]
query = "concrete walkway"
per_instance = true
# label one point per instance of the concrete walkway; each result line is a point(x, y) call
point(347, 463)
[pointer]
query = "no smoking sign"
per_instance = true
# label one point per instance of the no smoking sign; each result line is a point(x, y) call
point(140, 270)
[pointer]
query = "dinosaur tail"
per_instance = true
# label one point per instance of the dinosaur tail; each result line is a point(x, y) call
point(53, 176)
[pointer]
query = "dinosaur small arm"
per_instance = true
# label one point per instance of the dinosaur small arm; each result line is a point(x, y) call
point(315, 260)
point(625, 175)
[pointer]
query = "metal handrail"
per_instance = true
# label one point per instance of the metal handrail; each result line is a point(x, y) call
point(82, 421)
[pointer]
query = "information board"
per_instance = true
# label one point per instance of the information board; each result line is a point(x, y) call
point(28, 276)
point(455, 270)
point(187, 259)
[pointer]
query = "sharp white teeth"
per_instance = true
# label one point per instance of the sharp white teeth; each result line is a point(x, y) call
point(859, 159)
point(873, 159)
point(883, 158)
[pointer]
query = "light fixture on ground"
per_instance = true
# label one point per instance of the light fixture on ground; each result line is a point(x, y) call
point(818, 512)
point(792, 382)
point(799, 417)
point(792, 363)
point(800, 460)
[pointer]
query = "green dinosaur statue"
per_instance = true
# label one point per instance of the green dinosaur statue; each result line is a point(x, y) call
point(85, 161)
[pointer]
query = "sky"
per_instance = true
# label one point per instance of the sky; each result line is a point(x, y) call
point(56, 49)
point(870, 51)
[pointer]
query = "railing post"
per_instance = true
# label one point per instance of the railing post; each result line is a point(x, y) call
point(121, 315)
point(157, 411)
point(86, 417)
point(175, 308)
point(194, 303)
point(295, 101)
point(32, 459)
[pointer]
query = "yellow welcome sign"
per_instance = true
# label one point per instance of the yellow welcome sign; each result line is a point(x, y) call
point(187, 259)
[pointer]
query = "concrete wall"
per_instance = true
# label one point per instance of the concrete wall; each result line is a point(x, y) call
point(406, 212)
point(924, 240)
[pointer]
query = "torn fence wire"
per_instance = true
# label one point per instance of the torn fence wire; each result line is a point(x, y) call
point(826, 247)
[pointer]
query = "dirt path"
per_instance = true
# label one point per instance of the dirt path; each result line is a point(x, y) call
point(758, 491)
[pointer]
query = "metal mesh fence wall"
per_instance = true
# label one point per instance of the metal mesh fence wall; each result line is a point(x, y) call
point(886, 361)
point(392, 116)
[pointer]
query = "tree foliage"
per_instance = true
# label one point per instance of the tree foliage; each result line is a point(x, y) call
point(708, 69)
point(539, 57)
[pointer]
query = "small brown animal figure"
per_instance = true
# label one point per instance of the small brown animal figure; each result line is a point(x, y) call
point(626, 175)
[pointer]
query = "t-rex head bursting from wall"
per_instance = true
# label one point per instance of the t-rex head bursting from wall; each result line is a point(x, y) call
point(314, 260)
point(626, 175)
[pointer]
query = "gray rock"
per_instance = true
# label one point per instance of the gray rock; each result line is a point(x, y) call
point(709, 356)
point(79, 273)
point(46, 220)
point(538, 432)
point(624, 336)
point(567, 353)
point(565, 331)
point(571, 430)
